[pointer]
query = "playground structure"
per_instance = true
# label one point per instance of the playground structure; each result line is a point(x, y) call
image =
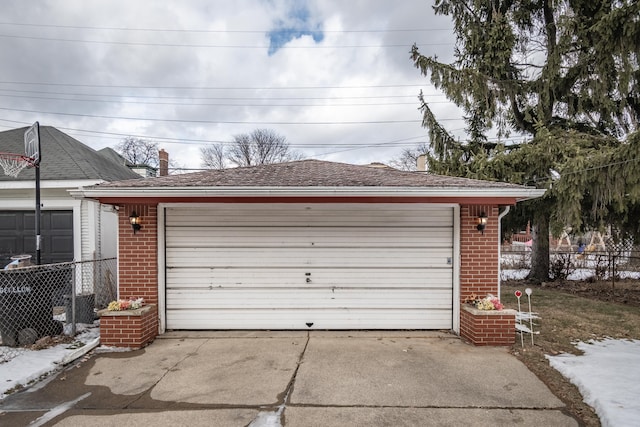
point(564, 243)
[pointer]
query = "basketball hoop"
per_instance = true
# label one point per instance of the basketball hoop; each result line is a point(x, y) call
point(12, 164)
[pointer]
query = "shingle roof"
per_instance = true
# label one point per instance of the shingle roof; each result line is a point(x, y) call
point(63, 158)
point(112, 154)
point(307, 173)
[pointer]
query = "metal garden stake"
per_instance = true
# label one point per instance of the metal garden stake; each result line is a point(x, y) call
point(528, 292)
point(518, 295)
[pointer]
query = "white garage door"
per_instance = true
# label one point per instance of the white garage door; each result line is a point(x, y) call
point(300, 266)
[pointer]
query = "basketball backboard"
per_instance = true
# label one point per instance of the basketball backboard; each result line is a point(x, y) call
point(32, 143)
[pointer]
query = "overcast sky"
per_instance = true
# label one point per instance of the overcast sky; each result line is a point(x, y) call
point(334, 77)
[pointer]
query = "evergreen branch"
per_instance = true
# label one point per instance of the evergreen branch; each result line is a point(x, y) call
point(441, 141)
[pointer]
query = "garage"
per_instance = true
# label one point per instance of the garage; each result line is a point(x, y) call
point(17, 235)
point(314, 265)
point(307, 244)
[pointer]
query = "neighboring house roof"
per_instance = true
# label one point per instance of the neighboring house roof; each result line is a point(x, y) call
point(144, 171)
point(63, 158)
point(112, 154)
point(311, 177)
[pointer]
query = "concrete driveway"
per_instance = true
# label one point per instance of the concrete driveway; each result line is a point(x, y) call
point(293, 379)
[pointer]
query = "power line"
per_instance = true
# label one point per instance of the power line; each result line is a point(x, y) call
point(589, 169)
point(375, 145)
point(175, 30)
point(211, 46)
point(200, 98)
point(117, 135)
point(417, 85)
point(187, 141)
point(235, 122)
point(187, 103)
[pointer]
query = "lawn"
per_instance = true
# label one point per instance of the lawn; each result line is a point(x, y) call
point(571, 312)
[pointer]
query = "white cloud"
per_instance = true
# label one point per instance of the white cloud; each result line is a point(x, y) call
point(153, 74)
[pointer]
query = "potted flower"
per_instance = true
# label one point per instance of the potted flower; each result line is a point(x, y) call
point(490, 302)
point(123, 304)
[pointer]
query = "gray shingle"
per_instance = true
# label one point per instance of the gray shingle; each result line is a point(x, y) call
point(63, 158)
point(308, 173)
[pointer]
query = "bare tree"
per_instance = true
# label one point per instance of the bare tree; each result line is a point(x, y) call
point(213, 156)
point(260, 147)
point(408, 159)
point(241, 152)
point(139, 151)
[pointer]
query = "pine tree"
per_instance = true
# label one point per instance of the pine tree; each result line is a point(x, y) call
point(562, 73)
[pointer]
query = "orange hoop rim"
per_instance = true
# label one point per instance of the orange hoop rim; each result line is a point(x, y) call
point(18, 157)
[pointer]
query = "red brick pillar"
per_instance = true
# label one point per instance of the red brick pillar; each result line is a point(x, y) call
point(137, 278)
point(129, 328)
point(479, 261)
point(484, 328)
point(138, 254)
point(478, 252)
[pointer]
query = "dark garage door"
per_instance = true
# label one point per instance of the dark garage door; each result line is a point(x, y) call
point(17, 235)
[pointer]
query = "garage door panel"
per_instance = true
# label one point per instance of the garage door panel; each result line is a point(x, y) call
point(288, 319)
point(300, 257)
point(182, 278)
point(308, 236)
point(8, 221)
point(279, 298)
point(310, 215)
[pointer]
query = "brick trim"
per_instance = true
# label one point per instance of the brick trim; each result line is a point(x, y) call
point(478, 252)
point(488, 327)
point(138, 254)
point(130, 328)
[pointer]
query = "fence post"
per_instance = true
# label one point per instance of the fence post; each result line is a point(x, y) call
point(73, 299)
point(613, 272)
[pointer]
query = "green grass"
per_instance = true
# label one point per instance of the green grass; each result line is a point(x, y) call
point(566, 318)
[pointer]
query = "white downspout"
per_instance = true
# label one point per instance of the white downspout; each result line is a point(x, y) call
point(500, 216)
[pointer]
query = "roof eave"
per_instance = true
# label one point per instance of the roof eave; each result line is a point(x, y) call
point(518, 194)
point(48, 183)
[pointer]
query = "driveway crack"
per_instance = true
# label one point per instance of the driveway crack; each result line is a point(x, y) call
point(276, 419)
point(148, 392)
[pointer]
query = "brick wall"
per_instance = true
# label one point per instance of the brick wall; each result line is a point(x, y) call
point(138, 254)
point(478, 252)
point(131, 328)
point(479, 276)
point(137, 277)
point(495, 328)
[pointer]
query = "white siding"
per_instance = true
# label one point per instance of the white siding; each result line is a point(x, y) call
point(109, 232)
point(85, 230)
point(281, 266)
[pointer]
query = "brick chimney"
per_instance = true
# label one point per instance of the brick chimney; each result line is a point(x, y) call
point(163, 159)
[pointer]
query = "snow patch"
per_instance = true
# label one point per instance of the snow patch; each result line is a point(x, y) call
point(31, 365)
point(608, 376)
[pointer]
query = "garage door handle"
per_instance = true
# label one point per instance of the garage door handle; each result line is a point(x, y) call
point(308, 279)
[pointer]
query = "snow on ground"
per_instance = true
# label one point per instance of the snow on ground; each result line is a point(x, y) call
point(608, 376)
point(30, 365)
point(577, 274)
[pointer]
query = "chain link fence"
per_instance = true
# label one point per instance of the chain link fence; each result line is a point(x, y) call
point(50, 300)
point(614, 261)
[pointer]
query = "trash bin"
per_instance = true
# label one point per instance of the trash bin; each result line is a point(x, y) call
point(85, 304)
point(25, 303)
